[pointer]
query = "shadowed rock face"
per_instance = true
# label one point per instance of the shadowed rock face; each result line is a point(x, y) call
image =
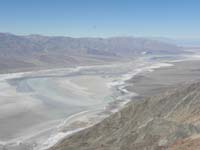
point(166, 121)
point(43, 51)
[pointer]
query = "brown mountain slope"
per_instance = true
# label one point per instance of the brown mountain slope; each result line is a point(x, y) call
point(156, 123)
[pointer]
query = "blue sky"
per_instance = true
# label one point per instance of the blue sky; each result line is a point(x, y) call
point(102, 18)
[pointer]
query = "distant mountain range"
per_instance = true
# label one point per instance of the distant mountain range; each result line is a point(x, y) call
point(37, 51)
point(183, 42)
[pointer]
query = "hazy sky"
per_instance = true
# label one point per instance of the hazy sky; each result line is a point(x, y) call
point(165, 18)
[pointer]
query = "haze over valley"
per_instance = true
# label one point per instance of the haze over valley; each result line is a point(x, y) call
point(63, 85)
point(99, 75)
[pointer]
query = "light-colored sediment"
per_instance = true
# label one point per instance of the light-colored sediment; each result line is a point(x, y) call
point(165, 121)
point(45, 100)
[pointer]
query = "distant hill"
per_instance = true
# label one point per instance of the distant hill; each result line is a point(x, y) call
point(37, 51)
point(183, 42)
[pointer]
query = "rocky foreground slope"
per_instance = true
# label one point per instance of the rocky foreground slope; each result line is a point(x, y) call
point(168, 121)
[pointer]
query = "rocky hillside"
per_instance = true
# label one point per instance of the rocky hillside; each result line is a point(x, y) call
point(169, 121)
point(36, 51)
